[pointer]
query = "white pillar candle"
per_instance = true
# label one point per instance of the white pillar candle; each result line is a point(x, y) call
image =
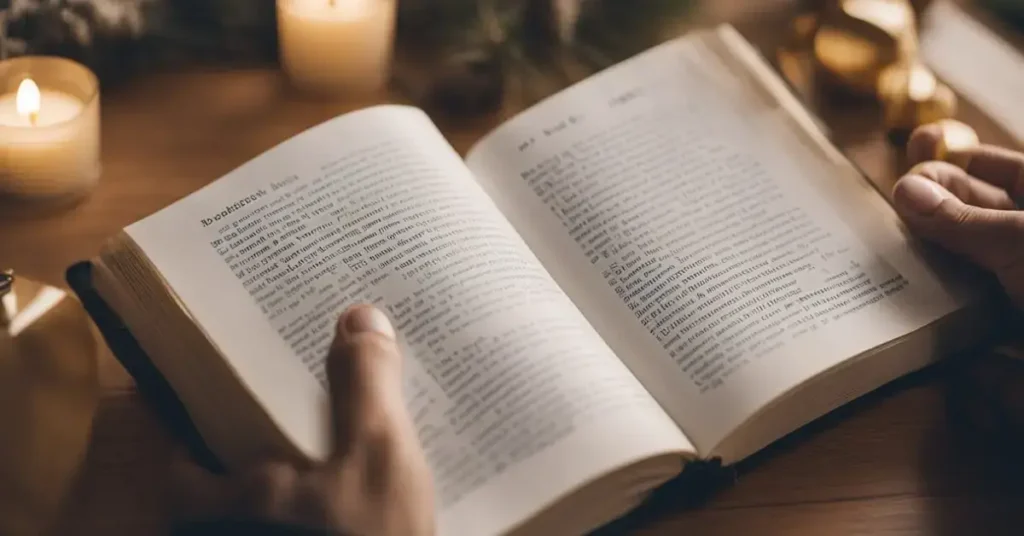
point(336, 46)
point(49, 130)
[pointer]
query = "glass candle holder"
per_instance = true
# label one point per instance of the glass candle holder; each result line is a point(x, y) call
point(49, 392)
point(336, 47)
point(49, 130)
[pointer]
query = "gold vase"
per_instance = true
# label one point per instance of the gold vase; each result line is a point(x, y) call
point(48, 395)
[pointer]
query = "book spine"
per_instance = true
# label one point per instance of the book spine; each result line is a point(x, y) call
point(152, 386)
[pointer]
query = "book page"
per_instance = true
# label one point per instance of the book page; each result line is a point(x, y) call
point(517, 399)
point(716, 251)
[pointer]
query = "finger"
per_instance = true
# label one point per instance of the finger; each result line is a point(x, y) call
point(364, 371)
point(992, 238)
point(965, 187)
point(924, 143)
point(196, 493)
point(998, 166)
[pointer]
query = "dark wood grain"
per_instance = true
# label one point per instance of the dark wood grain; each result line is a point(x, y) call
point(889, 464)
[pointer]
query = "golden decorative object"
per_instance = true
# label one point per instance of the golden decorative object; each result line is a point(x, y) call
point(911, 96)
point(802, 31)
point(792, 64)
point(869, 48)
point(48, 395)
point(858, 39)
point(956, 140)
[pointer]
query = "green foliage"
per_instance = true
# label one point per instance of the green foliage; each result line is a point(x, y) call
point(621, 29)
point(465, 51)
point(613, 27)
point(118, 37)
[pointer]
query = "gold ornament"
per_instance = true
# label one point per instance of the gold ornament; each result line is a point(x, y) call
point(48, 396)
point(867, 48)
point(911, 96)
point(802, 31)
point(793, 55)
point(858, 39)
point(955, 143)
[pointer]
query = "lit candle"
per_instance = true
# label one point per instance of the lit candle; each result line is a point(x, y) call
point(49, 130)
point(336, 46)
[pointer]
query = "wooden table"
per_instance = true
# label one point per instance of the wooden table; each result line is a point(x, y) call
point(890, 464)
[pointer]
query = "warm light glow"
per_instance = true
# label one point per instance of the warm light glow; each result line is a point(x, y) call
point(960, 137)
point(922, 84)
point(28, 99)
point(845, 52)
point(957, 138)
point(890, 15)
point(350, 8)
point(34, 310)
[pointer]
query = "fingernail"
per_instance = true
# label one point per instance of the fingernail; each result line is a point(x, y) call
point(367, 319)
point(920, 194)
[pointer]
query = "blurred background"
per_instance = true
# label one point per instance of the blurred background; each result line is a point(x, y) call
point(193, 88)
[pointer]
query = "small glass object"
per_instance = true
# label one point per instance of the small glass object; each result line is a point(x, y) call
point(49, 130)
point(336, 47)
point(49, 392)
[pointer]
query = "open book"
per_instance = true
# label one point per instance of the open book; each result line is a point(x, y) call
point(666, 262)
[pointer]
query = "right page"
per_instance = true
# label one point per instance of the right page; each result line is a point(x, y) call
point(721, 251)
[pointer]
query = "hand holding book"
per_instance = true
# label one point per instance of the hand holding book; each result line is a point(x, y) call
point(667, 263)
point(376, 481)
point(972, 211)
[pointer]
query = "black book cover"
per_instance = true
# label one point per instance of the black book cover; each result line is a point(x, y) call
point(151, 384)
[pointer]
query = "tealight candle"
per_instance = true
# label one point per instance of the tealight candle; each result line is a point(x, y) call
point(336, 46)
point(49, 129)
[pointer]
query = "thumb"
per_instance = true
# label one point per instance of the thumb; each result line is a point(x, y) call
point(989, 237)
point(364, 369)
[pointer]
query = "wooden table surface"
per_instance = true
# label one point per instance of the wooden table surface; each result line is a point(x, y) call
point(889, 464)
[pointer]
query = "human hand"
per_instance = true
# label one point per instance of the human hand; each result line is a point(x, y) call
point(376, 482)
point(971, 211)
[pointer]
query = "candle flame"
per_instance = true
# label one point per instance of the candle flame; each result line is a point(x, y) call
point(28, 100)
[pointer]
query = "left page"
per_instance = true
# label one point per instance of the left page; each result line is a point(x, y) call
point(517, 400)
